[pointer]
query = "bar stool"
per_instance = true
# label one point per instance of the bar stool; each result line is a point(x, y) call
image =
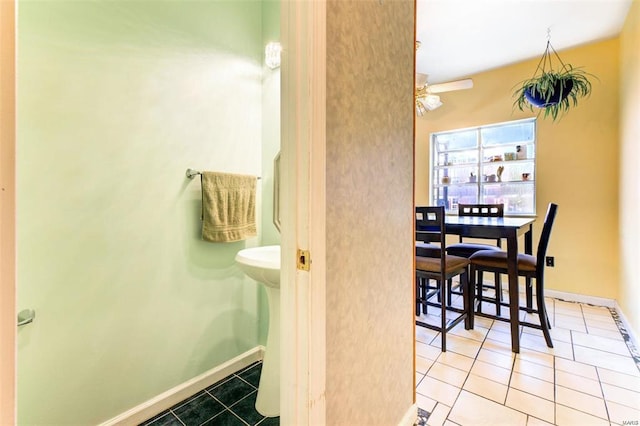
point(531, 267)
point(466, 249)
point(430, 228)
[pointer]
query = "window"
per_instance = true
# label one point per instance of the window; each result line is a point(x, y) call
point(490, 164)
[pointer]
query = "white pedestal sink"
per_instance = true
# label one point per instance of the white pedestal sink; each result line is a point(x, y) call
point(263, 265)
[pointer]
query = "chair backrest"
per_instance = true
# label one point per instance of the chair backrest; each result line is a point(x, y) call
point(430, 224)
point(544, 236)
point(481, 210)
point(430, 228)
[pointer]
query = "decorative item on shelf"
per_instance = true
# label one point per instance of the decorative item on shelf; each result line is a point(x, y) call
point(446, 180)
point(521, 152)
point(553, 90)
point(472, 178)
point(489, 178)
point(525, 176)
point(494, 158)
point(499, 173)
point(509, 156)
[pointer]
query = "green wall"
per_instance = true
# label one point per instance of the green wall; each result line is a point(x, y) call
point(115, 101)
point(270, 140)
point(270, 120)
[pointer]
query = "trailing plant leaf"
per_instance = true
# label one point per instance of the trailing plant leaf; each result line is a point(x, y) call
point(560, 90)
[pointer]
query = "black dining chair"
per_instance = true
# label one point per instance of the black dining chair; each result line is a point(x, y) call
point(529, 266)
point(466, 249)
point(437, 265)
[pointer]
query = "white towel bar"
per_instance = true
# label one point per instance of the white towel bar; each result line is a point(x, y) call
point(191, 173)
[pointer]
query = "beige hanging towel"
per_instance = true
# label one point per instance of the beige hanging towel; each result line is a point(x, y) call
point(228, 207)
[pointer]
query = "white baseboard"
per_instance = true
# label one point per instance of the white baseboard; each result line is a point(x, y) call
point(574, 297)
point(410, 416)
point(168, 399)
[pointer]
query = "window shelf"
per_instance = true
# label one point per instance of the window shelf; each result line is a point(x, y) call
point(457, 164)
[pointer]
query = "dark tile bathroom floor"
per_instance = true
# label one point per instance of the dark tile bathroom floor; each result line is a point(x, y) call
point(231, 402)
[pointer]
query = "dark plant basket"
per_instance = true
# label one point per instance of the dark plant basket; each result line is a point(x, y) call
point(554, 92)
point(560, 91)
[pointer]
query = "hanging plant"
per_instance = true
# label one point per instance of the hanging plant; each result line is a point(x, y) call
point(553, 91)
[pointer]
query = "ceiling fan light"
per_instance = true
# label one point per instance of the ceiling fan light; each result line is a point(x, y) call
point(432, 102)
point(420, 108)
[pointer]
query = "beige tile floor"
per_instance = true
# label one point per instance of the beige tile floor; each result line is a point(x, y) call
point(589, 377)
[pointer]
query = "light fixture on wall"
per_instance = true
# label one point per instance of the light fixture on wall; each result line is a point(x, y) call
point(272, 54)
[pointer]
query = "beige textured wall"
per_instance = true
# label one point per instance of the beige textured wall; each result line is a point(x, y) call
point(369, 211)
point(577, 163)
point(630, 166)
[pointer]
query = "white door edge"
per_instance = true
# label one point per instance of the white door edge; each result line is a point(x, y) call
point(303, 310)
point(8, 316)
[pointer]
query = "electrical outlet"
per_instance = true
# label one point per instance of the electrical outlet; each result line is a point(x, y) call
point(550, 261)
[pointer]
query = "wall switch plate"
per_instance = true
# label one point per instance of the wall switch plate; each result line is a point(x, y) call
point(550, 261)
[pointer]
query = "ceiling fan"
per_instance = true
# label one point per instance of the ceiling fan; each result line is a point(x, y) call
point(426, 98)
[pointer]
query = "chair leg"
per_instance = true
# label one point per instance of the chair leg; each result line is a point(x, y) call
point(476, 285)
point(498, 288)
point(443, 318)
point(529, 291)
point(425, 292)
point(467, 300)
point(542, 314)
point(418, 294)
point(449, 288)
point(546, 314)
point(498, 280)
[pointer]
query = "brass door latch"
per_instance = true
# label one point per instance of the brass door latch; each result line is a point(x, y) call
point(304, 260)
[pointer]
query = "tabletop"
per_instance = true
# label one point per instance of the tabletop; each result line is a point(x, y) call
point(509, 222)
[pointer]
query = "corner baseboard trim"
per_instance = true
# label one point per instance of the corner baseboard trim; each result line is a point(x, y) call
point(410, 416)
point(627, 327)
point(623, 324)
point(168, 399)
point(582, 298)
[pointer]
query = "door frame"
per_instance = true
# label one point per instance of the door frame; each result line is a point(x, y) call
point(303, 309)
point(8, 327)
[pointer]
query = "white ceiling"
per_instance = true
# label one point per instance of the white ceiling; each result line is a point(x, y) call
point(463, 37)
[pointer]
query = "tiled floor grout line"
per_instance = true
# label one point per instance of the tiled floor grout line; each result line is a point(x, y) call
point(606, 406)
point(555, 388)
point(226, 407)
point(174, 415)
point(509, 388)
point(250, 384)
point(220, 402)
point(232, 411)
point(582, 322)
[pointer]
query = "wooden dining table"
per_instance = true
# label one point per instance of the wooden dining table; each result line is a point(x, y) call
point(509, 228)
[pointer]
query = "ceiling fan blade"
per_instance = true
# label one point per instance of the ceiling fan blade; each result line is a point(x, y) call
point(467, 83)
